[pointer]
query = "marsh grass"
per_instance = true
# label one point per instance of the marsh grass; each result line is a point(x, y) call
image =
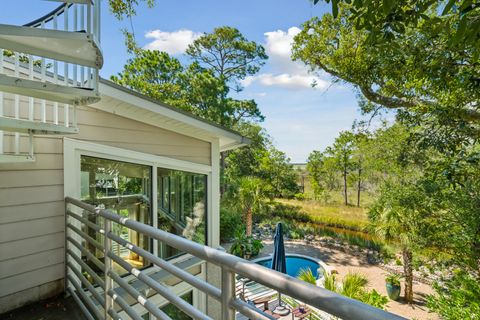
point(340, 216)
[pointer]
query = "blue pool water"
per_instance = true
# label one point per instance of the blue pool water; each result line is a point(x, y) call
point(295, 264)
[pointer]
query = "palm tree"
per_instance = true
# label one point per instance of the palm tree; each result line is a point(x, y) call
point(251, 196)
point(395, 217)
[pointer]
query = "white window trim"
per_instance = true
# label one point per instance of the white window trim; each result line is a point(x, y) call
point(74, 149)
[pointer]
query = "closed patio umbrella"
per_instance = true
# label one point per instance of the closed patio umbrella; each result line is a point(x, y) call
point(278, 260)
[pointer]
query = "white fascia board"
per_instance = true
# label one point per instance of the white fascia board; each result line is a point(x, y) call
point(228, 139)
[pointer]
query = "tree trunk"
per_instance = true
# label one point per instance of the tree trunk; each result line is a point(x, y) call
point(408, 271)
point(359, 186)
point(345, 185)
point(249, 222)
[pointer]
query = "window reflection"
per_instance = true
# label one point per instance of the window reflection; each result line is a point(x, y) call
point(181, 207)
point(124, 188)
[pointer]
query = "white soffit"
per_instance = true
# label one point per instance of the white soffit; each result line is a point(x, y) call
point(130, 104)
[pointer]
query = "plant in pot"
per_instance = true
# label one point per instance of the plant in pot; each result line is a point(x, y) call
point(393, 286)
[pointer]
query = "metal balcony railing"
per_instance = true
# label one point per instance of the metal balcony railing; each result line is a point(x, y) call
point(99, 298)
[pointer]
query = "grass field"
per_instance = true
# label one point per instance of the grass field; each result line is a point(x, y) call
point(332, 214)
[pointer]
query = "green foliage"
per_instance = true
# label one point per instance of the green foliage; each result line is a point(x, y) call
point(306, 274)
point(261, 159)
point(229, 54)
point(126, 8)
point(375, 299)
point(330, 281)
point(244, 245)
point(230, 223)
point(354, 286)
point(389, 20)
point(416, 73)
point(457, 298)
point(393, 279)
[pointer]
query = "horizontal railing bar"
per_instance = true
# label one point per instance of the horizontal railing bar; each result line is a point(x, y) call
point(250, 311)
point(85, 298)
point(114, 314)
point(161, 289)
point(147, 304)
point(124, 305)
point(85, 221)
point(90, 256)
point(89, 270)
point(171, 268)
point(321, 298)
point(85, 236)
point(89, 286)
point(79, 302)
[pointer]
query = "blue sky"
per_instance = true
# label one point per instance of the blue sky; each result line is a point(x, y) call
point(299, 118)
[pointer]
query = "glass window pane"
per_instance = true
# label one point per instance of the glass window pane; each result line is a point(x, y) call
point(176, 314)
point(186, 215)
point(124, 188)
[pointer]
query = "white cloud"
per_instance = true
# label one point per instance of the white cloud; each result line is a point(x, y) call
point(279, 43)
point(283, 72)
point(286, 80)
point(171, 42)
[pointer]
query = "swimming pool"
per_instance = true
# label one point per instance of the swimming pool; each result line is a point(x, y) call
point(296, 262)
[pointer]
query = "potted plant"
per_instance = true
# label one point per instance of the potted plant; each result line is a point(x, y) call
point(393, 286)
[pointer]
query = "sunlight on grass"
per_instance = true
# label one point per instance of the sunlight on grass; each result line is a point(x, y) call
point(336, 215)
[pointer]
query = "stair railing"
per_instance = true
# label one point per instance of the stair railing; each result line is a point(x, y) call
point(71, 17)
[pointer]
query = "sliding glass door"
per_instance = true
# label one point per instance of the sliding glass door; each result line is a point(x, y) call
point(181, 207)
point(124, 188)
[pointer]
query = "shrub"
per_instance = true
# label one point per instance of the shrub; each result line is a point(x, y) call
point(245, 246)
point(306, 275)
point(375, 299)
point(300, 196)
point(230, 223)
point(457, 298)
point(353, 285)
point(330, 281)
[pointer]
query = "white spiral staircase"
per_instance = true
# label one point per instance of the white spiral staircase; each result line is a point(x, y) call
point(47, 68)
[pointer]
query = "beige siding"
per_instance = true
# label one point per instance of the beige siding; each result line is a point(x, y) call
point(31, 199)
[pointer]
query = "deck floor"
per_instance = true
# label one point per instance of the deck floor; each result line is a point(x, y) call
point(56, 308)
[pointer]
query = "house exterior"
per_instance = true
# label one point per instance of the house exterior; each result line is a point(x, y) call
point(154, 142)
point(109, 146)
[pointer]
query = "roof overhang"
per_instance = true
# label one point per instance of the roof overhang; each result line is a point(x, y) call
point(133, 105)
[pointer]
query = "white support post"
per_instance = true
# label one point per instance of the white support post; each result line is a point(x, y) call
point(43, 111)
point(228, 293)
point(31, 101)
point(75, 29)
point(17, 104)
point(89, 17)
point(31, 149)
point(108, 266)
point(66, 111)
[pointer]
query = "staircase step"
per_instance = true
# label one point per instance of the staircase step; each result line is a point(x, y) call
point(48, 91)
point(14, 158)
point(74, 47)
point(35, 127)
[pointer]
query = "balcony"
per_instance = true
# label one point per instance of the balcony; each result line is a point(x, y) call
point(111, 295)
